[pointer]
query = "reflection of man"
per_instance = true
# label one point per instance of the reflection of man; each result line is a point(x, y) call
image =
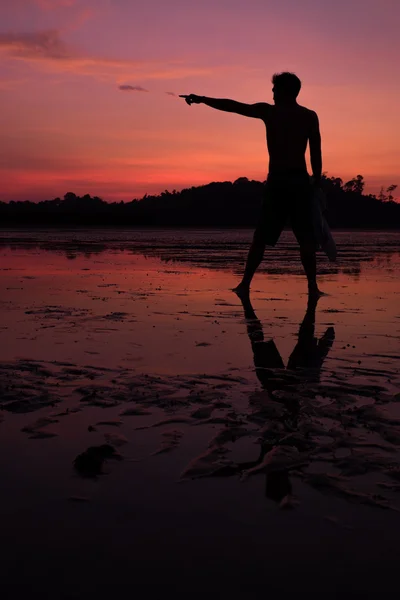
point(307, 357)
point(308, 354)
point(288, 192)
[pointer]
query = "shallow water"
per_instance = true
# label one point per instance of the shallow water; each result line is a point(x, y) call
point(133, 338)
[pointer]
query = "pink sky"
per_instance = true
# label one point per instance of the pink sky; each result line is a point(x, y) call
point(66, 126)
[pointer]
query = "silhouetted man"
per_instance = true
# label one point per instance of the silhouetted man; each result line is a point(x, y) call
point(289, 191)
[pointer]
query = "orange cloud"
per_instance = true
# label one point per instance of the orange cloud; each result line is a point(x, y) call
point(47, 50)
point(34, 46)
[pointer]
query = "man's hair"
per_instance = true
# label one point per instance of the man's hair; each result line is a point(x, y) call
point(287, 83)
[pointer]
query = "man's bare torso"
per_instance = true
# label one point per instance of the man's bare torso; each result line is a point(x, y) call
point(288, 130)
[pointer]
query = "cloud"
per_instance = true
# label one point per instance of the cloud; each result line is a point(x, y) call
point(170, 94)
point(132, 88)
point(35, 45)
point(47, 51)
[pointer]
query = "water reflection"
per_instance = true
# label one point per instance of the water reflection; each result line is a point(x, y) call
point(308, 354)
point(205, 248)
point(280, 384)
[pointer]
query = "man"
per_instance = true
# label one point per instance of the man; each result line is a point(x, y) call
point(289, 191)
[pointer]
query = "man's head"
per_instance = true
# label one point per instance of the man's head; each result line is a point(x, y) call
point(286, 87)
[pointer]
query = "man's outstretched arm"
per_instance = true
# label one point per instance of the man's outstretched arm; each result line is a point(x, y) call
point(257, 111)
point(315, 148)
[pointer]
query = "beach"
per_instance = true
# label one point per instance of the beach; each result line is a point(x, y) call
point(247, 447)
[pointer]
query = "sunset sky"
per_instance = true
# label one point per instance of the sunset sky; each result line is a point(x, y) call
point(67, 126)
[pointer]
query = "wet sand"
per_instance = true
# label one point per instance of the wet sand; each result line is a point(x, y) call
point(253, 440)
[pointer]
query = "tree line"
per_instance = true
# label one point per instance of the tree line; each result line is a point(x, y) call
point(217, 204)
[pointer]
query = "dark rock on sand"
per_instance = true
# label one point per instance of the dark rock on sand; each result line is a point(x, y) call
point(90, 463)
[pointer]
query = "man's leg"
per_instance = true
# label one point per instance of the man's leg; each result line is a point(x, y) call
point(272, 220)
point(309, 262)
point(254, 259)
point(303, 229)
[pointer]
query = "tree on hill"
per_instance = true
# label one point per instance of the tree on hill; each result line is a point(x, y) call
point(355, 185)
point(216, 204)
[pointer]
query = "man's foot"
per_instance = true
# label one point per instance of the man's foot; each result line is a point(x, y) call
point(242, 290)
point(314, 292)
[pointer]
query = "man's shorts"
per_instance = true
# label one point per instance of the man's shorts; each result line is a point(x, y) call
point(288, 197)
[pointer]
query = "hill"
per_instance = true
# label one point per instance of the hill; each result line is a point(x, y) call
point(217, 204)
